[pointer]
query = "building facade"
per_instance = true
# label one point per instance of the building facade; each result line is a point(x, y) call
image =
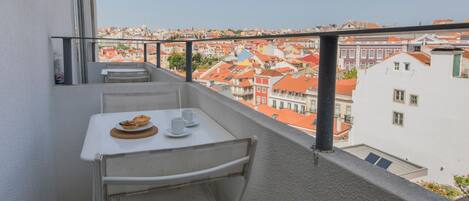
point(364, 52)
point(263, 82)
point(414, 106)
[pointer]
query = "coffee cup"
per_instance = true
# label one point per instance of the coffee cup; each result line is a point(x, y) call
point(188, 116)
point(177, 126)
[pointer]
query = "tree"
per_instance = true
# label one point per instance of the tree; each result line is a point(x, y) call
point(177, 61)
point(443, 190)
point(351, 74)
point(122, 47)
point(462, 182)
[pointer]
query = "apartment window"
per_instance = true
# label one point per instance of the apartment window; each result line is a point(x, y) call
point(289, 106)
point(303, 108)
point(414, 100)
point(348, 110)
point(380, 54)
point(313, 106)
point(263, 89)
point(351, 54)
point(399, 96)
point(337, 110)
point(407, 66)
point(388, 53)
point(396, 66)
point(264, 100)
point(343, 53)
point(296, 107)
point(274, 104)
point(281, 104)
point(364, 53)
point(371, 54)
point(258, 89)
point(398, 118)
point(258, 99)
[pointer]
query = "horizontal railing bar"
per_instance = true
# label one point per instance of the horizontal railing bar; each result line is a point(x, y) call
point(361, 32)
point(119, 39)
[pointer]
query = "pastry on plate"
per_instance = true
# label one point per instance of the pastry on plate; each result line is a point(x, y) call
point(141, 120)
point(129, 124)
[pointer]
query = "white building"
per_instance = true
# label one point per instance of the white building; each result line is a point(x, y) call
point(415, 106)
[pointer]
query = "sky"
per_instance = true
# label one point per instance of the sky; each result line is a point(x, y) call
point(273, 14)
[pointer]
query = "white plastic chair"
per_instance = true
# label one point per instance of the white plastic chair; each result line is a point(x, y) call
point(129, 102)
point(168, 174)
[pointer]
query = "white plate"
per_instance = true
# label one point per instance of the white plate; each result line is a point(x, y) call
point(192, 124)
point(146, 127)
point(170, 134)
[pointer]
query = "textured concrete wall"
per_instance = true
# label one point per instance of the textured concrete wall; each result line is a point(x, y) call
point(27, 168)
point(71, 111)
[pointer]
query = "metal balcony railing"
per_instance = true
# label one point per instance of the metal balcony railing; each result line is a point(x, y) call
point(327, 65)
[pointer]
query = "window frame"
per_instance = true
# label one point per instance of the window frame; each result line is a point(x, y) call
point(364, 53)
point(416, 100)
point(352, 54)
point(395, 98)
point(396, 120)
point(379, 54)
point(397, 66)
point(406, 66)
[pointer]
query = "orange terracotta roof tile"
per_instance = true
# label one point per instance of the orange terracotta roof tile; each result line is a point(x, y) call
point(246, 75)
point(345, 87)
point(296, 83)
point(270, 73)
point(422, 57)
point(311, 58)
point(284, 70)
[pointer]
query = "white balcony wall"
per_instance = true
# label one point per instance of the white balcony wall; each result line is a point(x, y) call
point(26, 154)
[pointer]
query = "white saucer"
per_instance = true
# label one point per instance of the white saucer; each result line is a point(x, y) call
point(146, 127)
point(192, 124)
point(169, 133)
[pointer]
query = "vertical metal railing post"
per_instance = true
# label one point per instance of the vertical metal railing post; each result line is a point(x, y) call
point(158, 55)
point(93, 51)
point(189, 61)
point(326, 93)
point(145, 59)
point(67, 58)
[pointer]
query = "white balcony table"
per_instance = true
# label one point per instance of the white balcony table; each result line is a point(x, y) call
point(121, 70)
point(99, 141)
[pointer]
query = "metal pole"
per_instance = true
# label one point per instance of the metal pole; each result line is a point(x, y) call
point(326, 93)
point(189, 61)
point(158, 55)
point(67, 56)
point(144, 52)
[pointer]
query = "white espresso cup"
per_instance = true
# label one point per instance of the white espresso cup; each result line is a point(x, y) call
point(188, 115)
point(177, 125)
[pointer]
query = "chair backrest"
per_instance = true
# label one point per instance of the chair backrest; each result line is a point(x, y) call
point(143, 171)
point(128, 102)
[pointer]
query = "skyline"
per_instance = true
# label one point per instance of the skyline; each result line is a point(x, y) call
point(272, 15)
